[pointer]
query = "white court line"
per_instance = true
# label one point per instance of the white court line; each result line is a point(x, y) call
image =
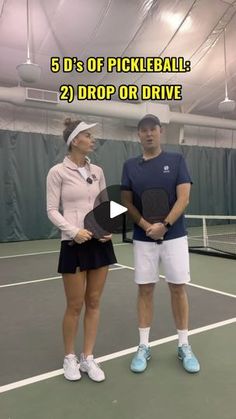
point(227, 294)
point(124, 266)
point(29, 282)
point(189, 284)
point(121, 244)
point(47, 253)
point(29, 254)
point(51, 278)
point(114, 355)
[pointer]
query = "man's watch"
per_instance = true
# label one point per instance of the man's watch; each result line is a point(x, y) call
point(167, 224)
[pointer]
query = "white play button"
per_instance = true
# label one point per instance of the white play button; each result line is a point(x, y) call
point(116, 209)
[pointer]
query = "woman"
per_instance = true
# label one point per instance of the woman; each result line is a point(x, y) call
point(74, 184)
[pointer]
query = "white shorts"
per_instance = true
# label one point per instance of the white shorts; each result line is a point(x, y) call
point(173, 254)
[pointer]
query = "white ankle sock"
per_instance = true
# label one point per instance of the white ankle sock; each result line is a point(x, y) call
point(183, 337)
point(144, 335)
point(70, 356)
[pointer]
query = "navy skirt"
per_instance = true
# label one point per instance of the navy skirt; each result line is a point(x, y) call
point(89, 255)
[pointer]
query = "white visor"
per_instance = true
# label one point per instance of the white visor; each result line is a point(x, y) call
point(82, 126)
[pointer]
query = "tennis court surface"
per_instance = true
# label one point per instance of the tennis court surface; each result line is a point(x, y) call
point(31, 352)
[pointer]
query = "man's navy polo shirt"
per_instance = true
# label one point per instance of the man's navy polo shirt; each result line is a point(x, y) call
point(165, 171)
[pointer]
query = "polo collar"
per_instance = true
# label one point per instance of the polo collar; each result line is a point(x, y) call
point(71, 165)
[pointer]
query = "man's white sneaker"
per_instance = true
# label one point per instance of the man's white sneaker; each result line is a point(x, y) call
point(92, 368)
point(71, 368)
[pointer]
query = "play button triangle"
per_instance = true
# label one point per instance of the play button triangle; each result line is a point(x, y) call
point(116, 209)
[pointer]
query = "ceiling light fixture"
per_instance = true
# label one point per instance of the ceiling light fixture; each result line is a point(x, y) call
point(28, 71)
point(177, 20)
point(227, 105)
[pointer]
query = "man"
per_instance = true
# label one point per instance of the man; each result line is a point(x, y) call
point(166, 171)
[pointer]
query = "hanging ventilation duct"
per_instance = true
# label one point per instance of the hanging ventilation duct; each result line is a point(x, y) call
point(108, 109)
point(39, 95)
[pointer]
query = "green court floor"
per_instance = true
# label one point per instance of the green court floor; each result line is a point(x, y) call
point(165, 390)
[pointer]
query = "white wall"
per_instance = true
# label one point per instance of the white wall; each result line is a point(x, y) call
point(50, 122)
point(209, 137)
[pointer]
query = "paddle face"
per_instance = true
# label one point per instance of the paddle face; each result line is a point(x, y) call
point(155, 206)
point(91, 224)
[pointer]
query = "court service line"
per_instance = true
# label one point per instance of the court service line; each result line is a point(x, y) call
point(114, 355)
point(29, 282)
point(29, 254)
point(227, 294)
point(51, 278)
point(47, 252)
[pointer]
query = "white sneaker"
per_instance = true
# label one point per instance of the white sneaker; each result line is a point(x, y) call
point(71, 368)
point(92, 368)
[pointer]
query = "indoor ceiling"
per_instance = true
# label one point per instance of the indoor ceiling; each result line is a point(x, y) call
point(126, 28)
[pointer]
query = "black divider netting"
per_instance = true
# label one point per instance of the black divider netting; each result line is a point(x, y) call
point(26, 158)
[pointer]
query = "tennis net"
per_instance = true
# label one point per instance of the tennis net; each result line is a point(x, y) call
point(212, 234)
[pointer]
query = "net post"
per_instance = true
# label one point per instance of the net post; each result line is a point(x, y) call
point(205, 236)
